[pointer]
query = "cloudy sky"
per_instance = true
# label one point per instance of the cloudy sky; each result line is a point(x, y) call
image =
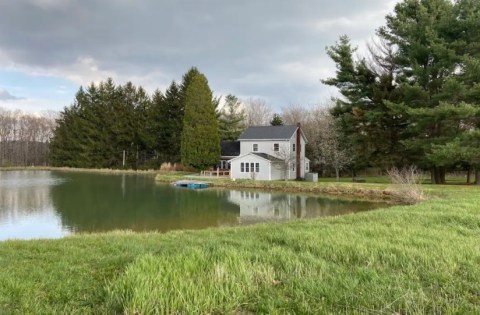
point(269, 49)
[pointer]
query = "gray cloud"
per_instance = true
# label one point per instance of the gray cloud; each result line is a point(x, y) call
point(273, 49)
point(6, 96)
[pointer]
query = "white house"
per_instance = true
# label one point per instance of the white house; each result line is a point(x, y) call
point(271, 153)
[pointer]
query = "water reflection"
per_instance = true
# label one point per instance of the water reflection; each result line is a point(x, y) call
point(257, 206)
point(26, 208)
point(36, 204)
point(89, 203)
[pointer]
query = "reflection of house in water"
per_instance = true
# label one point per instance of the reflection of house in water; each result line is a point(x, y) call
point(256, 205)
point(259, 206)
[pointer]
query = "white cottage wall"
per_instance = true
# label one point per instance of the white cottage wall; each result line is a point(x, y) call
point(264, 146)
point(264, 168)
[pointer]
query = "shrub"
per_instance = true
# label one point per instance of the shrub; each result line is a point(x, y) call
point(407, 185)
point(175, 167)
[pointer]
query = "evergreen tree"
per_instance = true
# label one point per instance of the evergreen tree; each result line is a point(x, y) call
point(276, 120)
point(354, 80)
point(427, 62)
point(396, 109)
point(104, 121)
point(169, 118)
point(200, 146)
point(231, 119)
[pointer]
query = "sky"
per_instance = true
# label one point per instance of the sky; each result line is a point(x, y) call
point(268, 49)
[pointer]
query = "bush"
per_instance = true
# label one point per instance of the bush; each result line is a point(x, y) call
point(407, 185)
point(175, 167)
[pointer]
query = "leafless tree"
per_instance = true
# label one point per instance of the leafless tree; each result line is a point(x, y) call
point(257, 112)
point(294, 114)
point(327, 147)
point(24, 138)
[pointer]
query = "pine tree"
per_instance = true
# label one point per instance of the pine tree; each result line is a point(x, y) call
point(231, 119)
point(276, 120)
point(168, 113)
point(200, 146)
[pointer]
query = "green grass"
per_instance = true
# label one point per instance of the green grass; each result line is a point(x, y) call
point(420, 259)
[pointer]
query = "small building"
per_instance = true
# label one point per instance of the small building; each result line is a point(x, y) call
point(271, 153)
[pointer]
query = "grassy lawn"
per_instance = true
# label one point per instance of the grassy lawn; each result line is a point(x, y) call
point(421, 259)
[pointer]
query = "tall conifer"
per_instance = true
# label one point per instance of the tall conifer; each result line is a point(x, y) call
point(200, 145)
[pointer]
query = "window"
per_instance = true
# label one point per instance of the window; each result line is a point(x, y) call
point(255, 147)
point(257, 167)
point(293, 166)
point(293, 149)
point(252, 167)
point(276, 147)
point(307, 166)
point(242, 167)
point(247, 168)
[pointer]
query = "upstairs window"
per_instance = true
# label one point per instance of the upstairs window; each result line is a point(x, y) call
point(255, 147)
point(293, 148)
point(276, 147)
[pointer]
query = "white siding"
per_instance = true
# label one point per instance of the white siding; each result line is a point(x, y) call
point(264, 171)
point(264, 146)
point(275, 171)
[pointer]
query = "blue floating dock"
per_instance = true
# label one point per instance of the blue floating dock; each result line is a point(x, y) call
point(190, 184)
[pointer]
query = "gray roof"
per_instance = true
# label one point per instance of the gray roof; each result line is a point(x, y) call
point(267, 157)
point(268, 133)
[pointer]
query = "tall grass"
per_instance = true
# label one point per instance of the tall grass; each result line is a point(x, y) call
point(407, 181)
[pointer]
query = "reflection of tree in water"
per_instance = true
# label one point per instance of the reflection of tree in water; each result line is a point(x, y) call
point(23, 193)
point(89, 203)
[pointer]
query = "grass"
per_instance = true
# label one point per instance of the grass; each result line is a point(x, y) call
point(420, 259)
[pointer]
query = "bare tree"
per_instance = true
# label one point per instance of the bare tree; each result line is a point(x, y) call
point(292, 115)
point(286, 159)
point(328, 147)
point(257, 112)
point(24, 138)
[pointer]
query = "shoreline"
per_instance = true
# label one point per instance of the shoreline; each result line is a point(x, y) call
point(80, 170)
point(379, 192)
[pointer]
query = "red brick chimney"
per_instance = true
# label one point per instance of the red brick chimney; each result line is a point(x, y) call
point(298, 149)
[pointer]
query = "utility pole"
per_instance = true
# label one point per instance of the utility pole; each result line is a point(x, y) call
point(123, 164)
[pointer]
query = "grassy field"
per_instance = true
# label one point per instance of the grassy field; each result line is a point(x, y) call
point(420, 259)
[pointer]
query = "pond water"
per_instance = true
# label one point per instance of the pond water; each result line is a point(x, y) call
point(45, 204)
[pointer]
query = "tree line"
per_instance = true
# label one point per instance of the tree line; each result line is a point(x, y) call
point(24, 138)
point(414, 99)
point(122, 126)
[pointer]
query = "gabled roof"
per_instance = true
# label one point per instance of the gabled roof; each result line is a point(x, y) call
point(268, 133)
point(263, 156)
point(230, 148)
point(266, 156)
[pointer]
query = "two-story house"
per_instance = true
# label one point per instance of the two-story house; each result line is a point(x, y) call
point(271, 153)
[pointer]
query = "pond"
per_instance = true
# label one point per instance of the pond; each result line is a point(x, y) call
point(45, 204)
